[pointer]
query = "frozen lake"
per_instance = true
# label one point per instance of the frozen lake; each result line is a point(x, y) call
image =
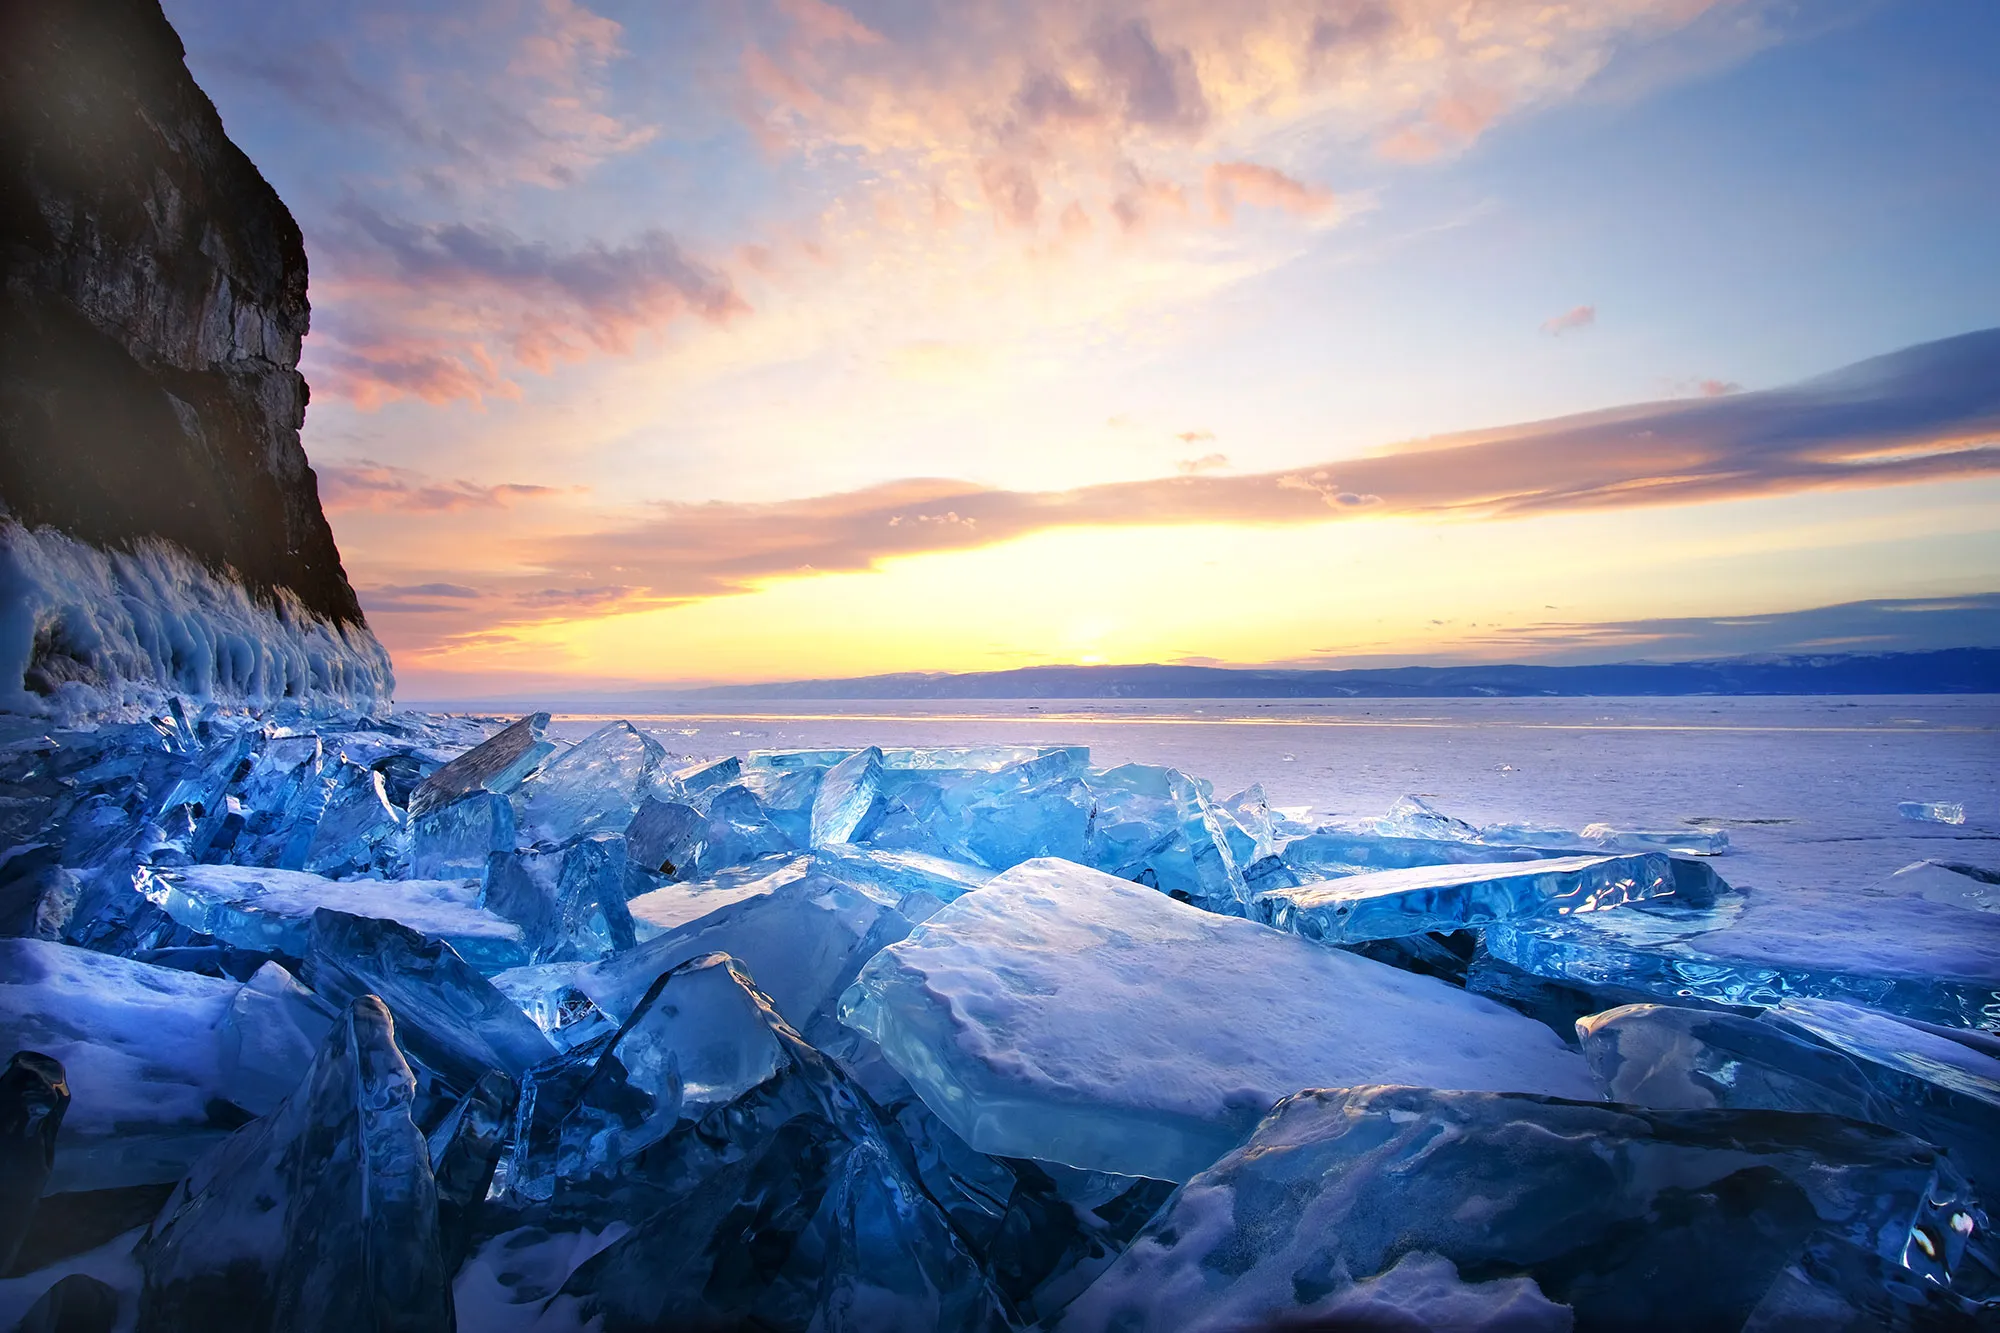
point(1807, 787)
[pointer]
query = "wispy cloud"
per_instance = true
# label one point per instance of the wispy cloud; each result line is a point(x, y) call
point(1925, 414)
point(378, 486)
point(1881, 625)
point(1569, 321)
point(452, 309)
point(1189, 467)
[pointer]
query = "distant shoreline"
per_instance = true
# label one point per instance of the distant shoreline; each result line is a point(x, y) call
point(1955, 671)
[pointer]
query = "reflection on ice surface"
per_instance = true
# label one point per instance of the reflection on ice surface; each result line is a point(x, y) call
point(347, 1014)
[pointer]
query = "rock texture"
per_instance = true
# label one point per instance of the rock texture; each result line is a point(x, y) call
point(154, 300)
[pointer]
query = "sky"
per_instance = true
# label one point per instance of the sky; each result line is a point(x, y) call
point(725, 340)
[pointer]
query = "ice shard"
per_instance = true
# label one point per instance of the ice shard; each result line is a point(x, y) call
point(1946, 882)
point(1038, 807)
point(268, 1037)
point(596, 785)
point(568, 904)
point(34, 1096)
point(1414, 817)
point(1934, 961)
point(152, 1056)
point(454, 841)
point(464, 1150)
point(359, 829)
point(786, 796)
point(667, 837)
point(497, 764)
point(319, 1218)
point(1331, 853)
point(916, 883)
point(767, 1192)
point(1932, 812)
point(808, 933)
point(1806, 1055)
point(1155, 826)
point(849, 803)
point(1631, 1218)
point(448, 1016)
point(738, 830)
point(1063, 1014)
point(1694, 1059)
point(1391, 903)
point(272, 910)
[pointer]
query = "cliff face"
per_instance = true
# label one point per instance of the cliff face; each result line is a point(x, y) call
point(154, 299)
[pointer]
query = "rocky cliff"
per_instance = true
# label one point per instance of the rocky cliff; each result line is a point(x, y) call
point(154, 301)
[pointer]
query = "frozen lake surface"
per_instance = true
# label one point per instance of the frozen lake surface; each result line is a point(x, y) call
point(1806, 787)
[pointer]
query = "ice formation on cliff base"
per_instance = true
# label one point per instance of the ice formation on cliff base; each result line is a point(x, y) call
point(83, 630)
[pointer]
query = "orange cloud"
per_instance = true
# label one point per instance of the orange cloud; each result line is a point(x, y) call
point(1925, 414)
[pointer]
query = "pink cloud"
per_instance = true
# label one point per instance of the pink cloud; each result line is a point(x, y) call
point(378, 486)
point(1230, 183)
point(1579, 317)
point(445, 311)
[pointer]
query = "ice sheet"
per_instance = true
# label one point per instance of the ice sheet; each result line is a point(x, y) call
point(1064, 1014)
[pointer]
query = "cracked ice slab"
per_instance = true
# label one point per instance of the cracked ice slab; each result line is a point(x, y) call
point(160, 1063)
point(1391, 903)
point(1064, 1014)
point(254, 908)
point(1937, 962)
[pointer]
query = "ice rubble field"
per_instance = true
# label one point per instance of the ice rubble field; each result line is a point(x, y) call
point(338, 1022)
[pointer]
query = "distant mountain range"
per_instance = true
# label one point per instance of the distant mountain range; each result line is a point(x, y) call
point(1950, 671)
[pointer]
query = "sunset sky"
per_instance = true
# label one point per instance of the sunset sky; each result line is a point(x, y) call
point(719, 341)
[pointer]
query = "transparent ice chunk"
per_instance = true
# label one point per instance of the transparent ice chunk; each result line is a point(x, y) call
point(1932, 812)
point(358, 831)
point(568, 903)
point(448, 1016)
point(497, 764)
point(1938, 962)
point(1942, 882)
point(915, 883)
point(1391, 903)
point(596, 785)
point(1616, 1212)
point(807, 933)
point(1156, 826)
point(272, 910)
point(1063, 1014)
point(770, 1194)
point(320, 1216)
point(454, 841)
point(1414, 817)
point(850, 802)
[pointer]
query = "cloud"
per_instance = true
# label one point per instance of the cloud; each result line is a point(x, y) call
point(1717, 388)
point(518, 93)
point(444, 311)
point(1923, 414)
point(1026, 108)
point(1231, 183)
point(417, 598)
point(377, 486)
point(1581, 317)
point(1883, 625)
point(1189, 467)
